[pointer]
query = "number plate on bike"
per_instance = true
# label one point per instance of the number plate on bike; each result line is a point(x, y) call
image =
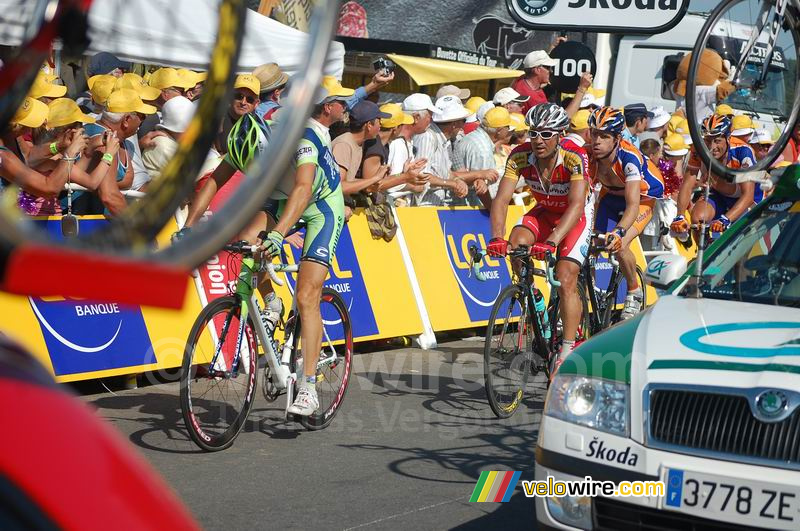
point(741, 501)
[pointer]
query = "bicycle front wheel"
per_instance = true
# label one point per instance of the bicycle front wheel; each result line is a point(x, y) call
point(219, 374)
point(507, 355)
point(763, 82)
point(335, 359)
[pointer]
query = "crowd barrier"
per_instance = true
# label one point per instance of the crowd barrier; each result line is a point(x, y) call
point(418, 284)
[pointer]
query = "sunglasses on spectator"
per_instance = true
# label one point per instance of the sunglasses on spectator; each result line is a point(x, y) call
point(544, 135)
point(241, 96)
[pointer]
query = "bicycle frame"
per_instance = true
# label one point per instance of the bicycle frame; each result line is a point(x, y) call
point(602, 306)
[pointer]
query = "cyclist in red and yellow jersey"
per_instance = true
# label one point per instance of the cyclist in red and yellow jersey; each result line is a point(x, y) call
point(558, 176)
point(629, 185)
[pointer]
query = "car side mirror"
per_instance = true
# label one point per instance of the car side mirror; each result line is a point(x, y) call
point(664, 270)
point(669, 73)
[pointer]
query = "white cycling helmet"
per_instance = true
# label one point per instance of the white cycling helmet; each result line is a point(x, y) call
point(547, 116)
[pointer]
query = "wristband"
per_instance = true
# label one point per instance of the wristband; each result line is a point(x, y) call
point(54, 148)
point(108, 157)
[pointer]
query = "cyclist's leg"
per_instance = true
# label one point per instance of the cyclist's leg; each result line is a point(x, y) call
point(324, 223)
point(627, 260)
point(571, 255)
point(706, 211)
point(532, 227)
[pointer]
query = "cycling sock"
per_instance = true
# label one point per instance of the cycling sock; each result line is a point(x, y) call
point(309, 381)
point(636, 292)
point(566, 348)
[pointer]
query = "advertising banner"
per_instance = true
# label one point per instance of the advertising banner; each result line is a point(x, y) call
point(601, 16)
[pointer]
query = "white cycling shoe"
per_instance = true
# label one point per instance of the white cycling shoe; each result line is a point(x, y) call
point(306, 402)
point(633, 305)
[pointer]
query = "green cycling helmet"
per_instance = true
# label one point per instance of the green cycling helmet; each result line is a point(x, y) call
point(247, 139)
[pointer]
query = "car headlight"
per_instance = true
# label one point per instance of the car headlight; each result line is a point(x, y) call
point(592, 402)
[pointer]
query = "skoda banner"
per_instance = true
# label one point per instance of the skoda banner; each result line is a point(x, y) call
point(601, 16)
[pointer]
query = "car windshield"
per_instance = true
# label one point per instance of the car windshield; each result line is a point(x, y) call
point(761, 263)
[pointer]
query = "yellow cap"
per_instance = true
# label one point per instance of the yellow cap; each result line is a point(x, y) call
point(42, 88)
point(128, 100)
point(101, 88)
point(518, 122)
point(674, 121)
point(32, 113)
point(398, 116)
point(334, 89)
point(723, 109)
point(742, 125)
point(782, 164)
point(168, 77)
point(136, 82)
point(474, 103)
point(675, 145)
point(497, 117)
point(64, 111)
point(248, 81)
point(192, 77)
point(580, 120)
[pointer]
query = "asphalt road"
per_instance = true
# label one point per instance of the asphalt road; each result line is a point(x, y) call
point(404, 452)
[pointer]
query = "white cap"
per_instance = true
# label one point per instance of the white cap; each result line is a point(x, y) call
point(649, 135)
point(743, 132)
point(507, 95)
point(660, 118)
point(452, 90)
point(450, 109)
point(589, 100)
point(538, 58)
point(176, 114)
point(419, 102)
point(762, 136)
point(483, 109)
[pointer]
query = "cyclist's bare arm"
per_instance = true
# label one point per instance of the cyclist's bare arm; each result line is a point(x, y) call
point(500, 206)
point(576, 200)
point(685, 191)
point(632, 197)
point(199, 204)
point(298, 199)
point(744, 202)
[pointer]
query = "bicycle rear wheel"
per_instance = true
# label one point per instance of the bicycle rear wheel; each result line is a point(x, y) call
point(734, 28)
point(217, 390)
point(508, 351)
point(335, 360)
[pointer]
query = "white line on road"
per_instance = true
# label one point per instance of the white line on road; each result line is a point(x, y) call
point(460, 498)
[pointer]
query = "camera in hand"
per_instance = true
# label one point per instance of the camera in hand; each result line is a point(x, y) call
point(384, 66)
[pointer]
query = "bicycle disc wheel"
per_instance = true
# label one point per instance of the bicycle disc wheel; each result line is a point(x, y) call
point(217, 392)
point(771, 97)
point(507, 351)
point(335, 361)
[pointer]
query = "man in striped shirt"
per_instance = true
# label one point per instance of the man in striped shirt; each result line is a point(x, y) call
point(475, 152)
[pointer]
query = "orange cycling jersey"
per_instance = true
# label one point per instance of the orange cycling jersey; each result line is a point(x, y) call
point(630, 165)
point(572, 165)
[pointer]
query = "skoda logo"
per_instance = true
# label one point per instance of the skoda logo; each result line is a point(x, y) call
point(771, 403)
point(531, 8)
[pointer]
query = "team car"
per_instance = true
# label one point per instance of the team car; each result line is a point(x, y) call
point(700, 391)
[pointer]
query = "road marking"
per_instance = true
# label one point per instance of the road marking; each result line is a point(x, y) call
point(460, 498)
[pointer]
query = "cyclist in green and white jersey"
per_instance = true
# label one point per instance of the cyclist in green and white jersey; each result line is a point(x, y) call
point(312, 192)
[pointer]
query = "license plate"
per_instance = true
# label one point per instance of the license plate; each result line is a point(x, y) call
point(734, 500)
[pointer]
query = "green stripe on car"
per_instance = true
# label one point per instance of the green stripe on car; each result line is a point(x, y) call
point(723, 366)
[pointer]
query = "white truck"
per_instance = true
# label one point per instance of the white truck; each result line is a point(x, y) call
point(639, 69)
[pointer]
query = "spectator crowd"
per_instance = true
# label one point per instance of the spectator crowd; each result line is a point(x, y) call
point(446, 150)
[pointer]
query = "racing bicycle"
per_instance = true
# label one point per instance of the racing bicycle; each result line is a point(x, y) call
point(760, 39)
point(599, 305)
point(518, 352)
point(219, 374)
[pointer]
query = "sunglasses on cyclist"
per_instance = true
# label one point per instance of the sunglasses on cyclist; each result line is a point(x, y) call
point(241, 96)
point(544, 135)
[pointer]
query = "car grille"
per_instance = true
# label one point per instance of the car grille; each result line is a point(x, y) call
point(722, 424)
point(613, 515)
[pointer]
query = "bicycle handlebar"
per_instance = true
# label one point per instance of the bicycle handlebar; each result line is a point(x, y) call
point(523, 251)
